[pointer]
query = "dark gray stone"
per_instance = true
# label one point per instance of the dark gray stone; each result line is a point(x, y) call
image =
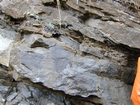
point(89, 61)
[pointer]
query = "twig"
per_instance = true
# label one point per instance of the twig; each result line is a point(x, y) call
point(77, 1)
point(59, 11)
point(27, 1)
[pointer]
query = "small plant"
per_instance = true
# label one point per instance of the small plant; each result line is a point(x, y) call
point(50, 25)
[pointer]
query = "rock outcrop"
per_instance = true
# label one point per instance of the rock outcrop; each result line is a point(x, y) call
point(73, 52)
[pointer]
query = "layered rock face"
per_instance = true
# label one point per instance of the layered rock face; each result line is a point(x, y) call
point(73, 52)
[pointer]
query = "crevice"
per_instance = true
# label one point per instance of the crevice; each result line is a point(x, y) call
point(85, 16)
point(75, 35)
point(109, 42)
point(93, 7)
point(107, 13)
point(50, 4)
point(4, 67)
point(39, 43)
point(88, 100)
point(133, 53)
point(89, 15)
point(72, 99)
point(9, 91)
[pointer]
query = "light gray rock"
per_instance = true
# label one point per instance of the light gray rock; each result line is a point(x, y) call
point(126, 36)
point(16, 9)
point(11, 97)
point(80, 78)
point(70, 42)
point(2, 100)
point(21, 8)
point(91, 50)
point(6, 40)
point(92, 32)
point(115, 31)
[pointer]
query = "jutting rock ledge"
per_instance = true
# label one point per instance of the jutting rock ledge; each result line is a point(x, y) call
point(86, 56)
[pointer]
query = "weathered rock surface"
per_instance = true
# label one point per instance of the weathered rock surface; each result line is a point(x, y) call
point(16, 9)
point(86, 56)
point(48, 62)
point(15, 93)
point(6, 39)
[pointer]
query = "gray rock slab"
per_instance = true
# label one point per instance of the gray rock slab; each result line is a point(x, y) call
point(16, 9)
point(41, 64)
point(6, 40)
point(79, 78)
point(56, 67)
